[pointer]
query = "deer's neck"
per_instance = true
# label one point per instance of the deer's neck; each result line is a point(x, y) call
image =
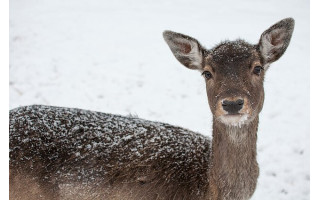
point(234, 169)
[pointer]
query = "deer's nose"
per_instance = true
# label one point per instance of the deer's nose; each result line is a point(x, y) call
point(232, 107)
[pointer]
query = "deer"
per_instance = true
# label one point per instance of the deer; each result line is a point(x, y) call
point(69, 153)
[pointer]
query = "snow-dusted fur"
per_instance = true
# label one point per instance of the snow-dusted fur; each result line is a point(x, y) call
point(93, 155)
point(68, 153)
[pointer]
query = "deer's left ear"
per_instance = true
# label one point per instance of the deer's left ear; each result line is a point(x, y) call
point(274, 41)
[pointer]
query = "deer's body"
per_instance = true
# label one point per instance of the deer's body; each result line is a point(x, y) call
point(63, 153)
point(94, 155)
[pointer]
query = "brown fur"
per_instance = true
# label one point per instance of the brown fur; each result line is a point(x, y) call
point(23, 188)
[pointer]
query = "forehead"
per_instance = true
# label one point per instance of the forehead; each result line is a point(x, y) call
point(229, 52)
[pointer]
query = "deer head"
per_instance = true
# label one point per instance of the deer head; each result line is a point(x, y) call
point(233, 70)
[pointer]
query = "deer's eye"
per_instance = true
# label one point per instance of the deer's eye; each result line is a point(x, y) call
point(257, 70)
point(207, 74)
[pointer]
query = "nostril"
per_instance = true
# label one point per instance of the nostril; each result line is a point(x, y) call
point(240, 102)
point(226, 104)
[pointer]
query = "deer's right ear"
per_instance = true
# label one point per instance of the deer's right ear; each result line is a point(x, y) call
point(187, 50)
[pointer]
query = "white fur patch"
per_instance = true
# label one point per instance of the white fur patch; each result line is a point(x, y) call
point(195, 55)
point(266, 47)
point(234, 120)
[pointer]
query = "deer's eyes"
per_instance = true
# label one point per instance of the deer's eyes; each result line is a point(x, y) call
point(207, 74)
point(257, 70)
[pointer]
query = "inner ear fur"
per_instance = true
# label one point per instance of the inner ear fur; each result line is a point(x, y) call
point(187, 50)
point(275, 40)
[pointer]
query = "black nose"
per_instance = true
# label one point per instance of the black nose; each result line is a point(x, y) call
point(232, 107)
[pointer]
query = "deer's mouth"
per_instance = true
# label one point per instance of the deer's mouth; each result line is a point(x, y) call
point(235, 119)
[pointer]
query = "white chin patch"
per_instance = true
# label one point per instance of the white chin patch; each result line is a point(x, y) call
point(234, 120)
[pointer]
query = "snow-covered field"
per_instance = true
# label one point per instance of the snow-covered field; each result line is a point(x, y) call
point(110, 56)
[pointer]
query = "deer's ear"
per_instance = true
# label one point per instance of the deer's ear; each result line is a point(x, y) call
point(187, 50)
point(274, 41)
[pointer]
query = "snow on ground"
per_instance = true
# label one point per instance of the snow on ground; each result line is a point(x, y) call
point(110, 56)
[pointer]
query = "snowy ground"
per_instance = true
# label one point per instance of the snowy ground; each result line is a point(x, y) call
point(110, 56)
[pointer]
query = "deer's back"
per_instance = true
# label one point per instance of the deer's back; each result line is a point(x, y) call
point(105, 155)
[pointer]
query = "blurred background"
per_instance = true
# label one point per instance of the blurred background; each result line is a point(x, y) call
point(110, 56)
